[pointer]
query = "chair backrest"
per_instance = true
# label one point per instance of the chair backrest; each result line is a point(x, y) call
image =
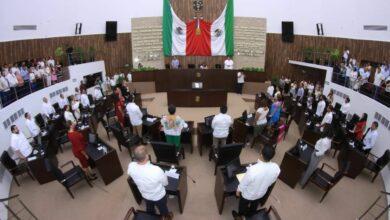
point(229, 152)
point(337, 177)
point(239, 131)
point(118, 135)
point(56, 107)
point(384, 159)
point(39, 120)
point(54, 170)
point(165, 152)
point(7, 161)
point(90, 98)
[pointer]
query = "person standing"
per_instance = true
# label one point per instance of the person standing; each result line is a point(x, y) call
point(328, 118)
point(260, 121)
point(78, 148)
point(228, 64)
point(360, 126)
point(345, 108)
point(35, 131)
point(320, 107)
point(151, 181)
point(240, 82)
point(119, 106)
point(220, 125)
point(68, 115)
point(135, 116)
point(370, 137)
point(173, 125)
point(255, 183)
point(19, 144)
point(276, 108)
point(322, 145)
point(62, 102)
point(47, 109)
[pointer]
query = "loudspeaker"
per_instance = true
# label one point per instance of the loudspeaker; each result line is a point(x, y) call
point(111, 30)
point(78, 28)
point(288, 31)
point(320, 29)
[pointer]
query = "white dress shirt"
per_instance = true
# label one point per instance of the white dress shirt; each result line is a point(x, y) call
point(322, 145)
point(48, 109)
point(20, 143)
point(240, 77)
point(263, 116)
point(62, 102)
point(134, 113)
point(345, 108)
point(76, 109)
point(370, 139)
point(320, 108)
point(84, 100)
point(270, 90)
point(220, 125)
point(33, 128)
point(228, 64)
point(98, 94)
point(150, 180)
point(4, 84)
point(11, 79)
point(257, 179)
point(69, 116)
point(327, 118)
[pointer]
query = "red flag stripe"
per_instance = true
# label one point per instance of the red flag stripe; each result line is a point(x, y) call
point(198, 45)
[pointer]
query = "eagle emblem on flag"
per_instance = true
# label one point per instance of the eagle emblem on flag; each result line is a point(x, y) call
point(218, 32)
point(179, 31)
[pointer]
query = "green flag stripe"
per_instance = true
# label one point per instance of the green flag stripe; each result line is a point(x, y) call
point(229, 28)
point(167, 28)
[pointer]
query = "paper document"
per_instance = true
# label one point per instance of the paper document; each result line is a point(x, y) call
point(172, 174)
point(151, 119)
point(240, 176)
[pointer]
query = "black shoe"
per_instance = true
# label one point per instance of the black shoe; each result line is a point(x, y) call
point(235, 214)
point(92, 178)
point(93, 174)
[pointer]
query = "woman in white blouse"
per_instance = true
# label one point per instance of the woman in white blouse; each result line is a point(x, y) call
point(76, 108)
point(321, 147)
point(68, 115)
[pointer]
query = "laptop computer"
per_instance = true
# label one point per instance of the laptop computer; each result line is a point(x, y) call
point(92, 138)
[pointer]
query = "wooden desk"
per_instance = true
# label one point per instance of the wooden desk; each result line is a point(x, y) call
point(175, 187)
point(108, 164)
point(293, 166)
point(151, 129)
point(38, 169)
point(311, 136)
point(197, 98)
point(205, 137)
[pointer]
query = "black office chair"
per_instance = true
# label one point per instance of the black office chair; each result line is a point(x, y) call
point(167, 66)
point(13, 168)
point(62, 139)
point(226, 154)
point(91, 100)
point(127, 141)
point(218, 66)
point(165, 152)
point(39, 120)
point(133, 214)
point(376, 166)
point(323, 180)
point(57, 108)
point(70, 177)
point(191, 66)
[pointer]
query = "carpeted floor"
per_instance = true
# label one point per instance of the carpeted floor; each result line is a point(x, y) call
point(347, 200)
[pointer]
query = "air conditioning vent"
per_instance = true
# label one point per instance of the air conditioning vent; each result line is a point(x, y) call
point(24, 27)
point(375, 27)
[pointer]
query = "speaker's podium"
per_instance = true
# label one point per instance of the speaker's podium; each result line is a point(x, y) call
point(197, 97)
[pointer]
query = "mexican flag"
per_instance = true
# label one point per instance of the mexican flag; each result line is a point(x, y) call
point(198, 37)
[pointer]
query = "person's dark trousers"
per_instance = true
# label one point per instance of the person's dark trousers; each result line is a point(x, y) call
point(161, 205)
point(239, 87)
point(247, 207)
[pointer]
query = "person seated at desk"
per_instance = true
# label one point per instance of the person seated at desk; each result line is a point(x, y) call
point(84, 100)
point(47, 109)
point(135, 116)
point(19, 144)
point(360, 127)
point(270, 90)
point(62, 102)
point(328, 118)
point(260, 121)
point(68, 115)
point(173, 125)
point(78, 148)
point(151, 181)
point(369, 139)
point(321, 147)
point(255, 183)
point(220, 125)
point(35, 131)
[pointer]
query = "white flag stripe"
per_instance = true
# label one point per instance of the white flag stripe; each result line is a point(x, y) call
point(178, 39)
point(218, 47)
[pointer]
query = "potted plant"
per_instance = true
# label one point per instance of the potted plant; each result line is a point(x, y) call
point(80, 55)
point(308, 55)
point(59, 54)
point(335, 56)
point(91, 53)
